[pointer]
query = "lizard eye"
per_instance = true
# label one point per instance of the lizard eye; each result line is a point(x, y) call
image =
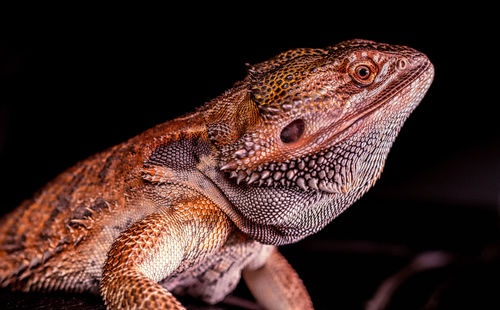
point(363, 73)
point(293, 131)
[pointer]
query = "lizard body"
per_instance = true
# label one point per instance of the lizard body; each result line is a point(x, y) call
point(190, 205)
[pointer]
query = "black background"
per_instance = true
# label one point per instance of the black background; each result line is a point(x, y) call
point(76, 82)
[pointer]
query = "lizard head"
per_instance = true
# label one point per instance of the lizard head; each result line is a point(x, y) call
point(308, 131)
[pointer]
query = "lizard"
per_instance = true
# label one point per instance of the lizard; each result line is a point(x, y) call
point(194, 204)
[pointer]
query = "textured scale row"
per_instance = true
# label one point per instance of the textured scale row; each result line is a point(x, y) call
point(325, 171)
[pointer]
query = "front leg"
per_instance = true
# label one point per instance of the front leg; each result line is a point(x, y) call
point(276, 285)
point(154, 247)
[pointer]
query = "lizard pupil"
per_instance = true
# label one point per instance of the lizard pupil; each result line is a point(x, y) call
point(363, 72)
point(293, 131)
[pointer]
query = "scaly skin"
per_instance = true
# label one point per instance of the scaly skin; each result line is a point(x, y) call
point(190, 205)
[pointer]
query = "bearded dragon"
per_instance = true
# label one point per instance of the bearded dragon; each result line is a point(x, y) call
point(193, 204)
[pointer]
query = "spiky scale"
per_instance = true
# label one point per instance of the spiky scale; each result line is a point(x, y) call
point(253, 177)
point(229, 166)
point(277, 175)
point(301, 182)
point(240, 176)
point(265, 174)
point(313, 183)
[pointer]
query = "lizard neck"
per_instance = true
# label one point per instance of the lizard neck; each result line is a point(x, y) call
point(179, 154)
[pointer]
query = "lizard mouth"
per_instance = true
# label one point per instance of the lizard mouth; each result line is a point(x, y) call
point(391, 90)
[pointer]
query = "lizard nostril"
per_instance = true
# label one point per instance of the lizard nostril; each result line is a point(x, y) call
point(293, 131)
point(401, 64)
